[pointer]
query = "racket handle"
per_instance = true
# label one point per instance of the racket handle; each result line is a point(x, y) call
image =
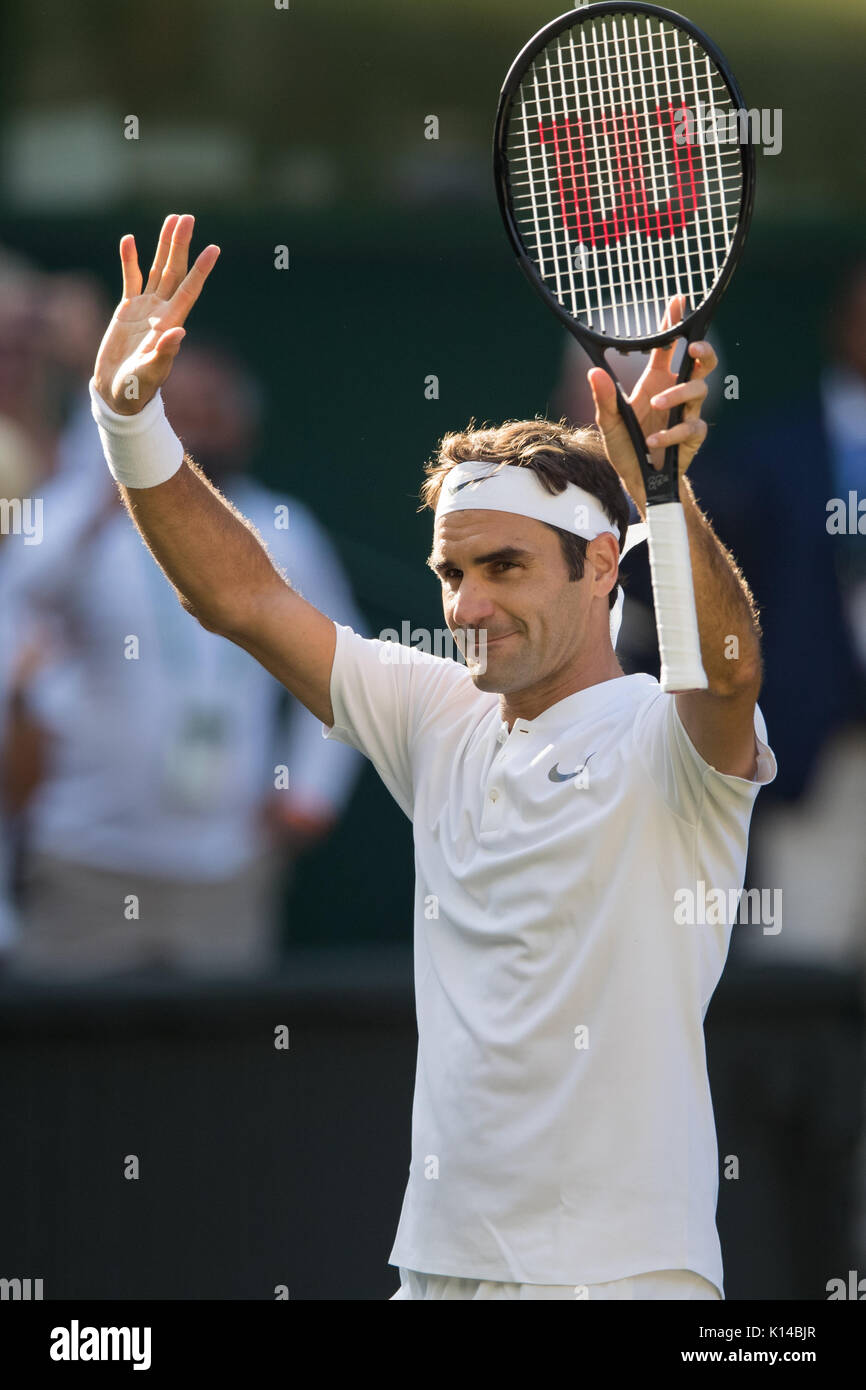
point(674, 596)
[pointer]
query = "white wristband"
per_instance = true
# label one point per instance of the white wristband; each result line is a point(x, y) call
point(141, 450)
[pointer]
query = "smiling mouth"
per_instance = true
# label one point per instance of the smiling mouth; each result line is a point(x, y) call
point(475, 647)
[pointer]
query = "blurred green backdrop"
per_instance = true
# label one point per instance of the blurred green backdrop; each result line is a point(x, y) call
point(304, 127)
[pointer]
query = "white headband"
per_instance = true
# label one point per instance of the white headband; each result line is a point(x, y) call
point(479, 484)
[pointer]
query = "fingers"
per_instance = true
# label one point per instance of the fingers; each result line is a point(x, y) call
point(178, 257)
point(674, 312)
point(688, 394)
point(169, 344)
point(692, 432)
point(156, 364)
point(706, 360)
point(604, 395)
point(660, 357)
point(168, 275)
point(691, 393)
point(129, 267)
point(189, 290)
point(162, 249)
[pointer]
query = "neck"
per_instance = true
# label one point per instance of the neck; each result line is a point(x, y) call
point(591, 669)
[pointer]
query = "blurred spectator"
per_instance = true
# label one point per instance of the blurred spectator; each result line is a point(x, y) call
point(75, 313)
point(772, 500)
point(146, 772)
point(26, 455)
point(25, 401)
point(776, 485)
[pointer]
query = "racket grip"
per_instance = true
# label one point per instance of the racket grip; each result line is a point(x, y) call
point(674, 596)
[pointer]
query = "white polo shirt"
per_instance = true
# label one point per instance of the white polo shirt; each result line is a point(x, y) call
point(562, 1129)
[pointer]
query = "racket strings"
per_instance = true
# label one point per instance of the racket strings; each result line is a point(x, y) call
point(617, 199)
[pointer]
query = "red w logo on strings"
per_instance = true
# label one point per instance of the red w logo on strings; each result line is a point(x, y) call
point(614, 148)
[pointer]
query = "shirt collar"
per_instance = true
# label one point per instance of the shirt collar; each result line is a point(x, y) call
point(605, 695)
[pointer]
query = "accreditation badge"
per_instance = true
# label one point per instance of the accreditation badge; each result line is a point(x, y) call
point(196, 760)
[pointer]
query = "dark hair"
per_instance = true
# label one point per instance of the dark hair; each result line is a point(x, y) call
point(558, 454)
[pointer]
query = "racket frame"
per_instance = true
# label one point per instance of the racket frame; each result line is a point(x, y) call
point(692, 326)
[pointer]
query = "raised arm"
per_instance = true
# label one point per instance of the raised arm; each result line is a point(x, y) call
point(719, 720)
point(214, 558)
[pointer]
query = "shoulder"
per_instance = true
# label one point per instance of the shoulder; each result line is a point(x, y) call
point(435, 685)
point(690, 785)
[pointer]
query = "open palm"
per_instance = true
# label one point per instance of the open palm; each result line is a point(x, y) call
point(146, 330)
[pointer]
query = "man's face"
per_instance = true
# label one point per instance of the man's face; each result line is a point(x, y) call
point(506, 589)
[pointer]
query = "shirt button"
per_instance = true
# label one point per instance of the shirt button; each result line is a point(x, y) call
point(494, 794)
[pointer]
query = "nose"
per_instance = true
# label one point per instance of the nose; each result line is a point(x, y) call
point(472, 607)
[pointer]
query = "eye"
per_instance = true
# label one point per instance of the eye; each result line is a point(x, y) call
point(498, 566)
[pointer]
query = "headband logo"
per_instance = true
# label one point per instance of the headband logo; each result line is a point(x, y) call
point(458, 486)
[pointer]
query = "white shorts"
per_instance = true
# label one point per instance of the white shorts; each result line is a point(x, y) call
point(660, 1284)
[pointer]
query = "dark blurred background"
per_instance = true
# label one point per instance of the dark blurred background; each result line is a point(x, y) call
point(304, 128)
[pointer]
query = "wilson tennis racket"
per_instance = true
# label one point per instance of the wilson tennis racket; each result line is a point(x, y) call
point(615, 201)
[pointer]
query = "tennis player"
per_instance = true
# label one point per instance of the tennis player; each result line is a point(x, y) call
point(563, 1141)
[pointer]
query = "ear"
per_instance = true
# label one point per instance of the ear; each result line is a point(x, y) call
point(602, 556)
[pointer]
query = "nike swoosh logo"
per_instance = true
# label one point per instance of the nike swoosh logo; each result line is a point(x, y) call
point(554, 775)
point(457, 487)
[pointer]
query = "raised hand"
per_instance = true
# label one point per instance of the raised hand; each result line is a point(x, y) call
point(655, 394)
point(146, 330)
